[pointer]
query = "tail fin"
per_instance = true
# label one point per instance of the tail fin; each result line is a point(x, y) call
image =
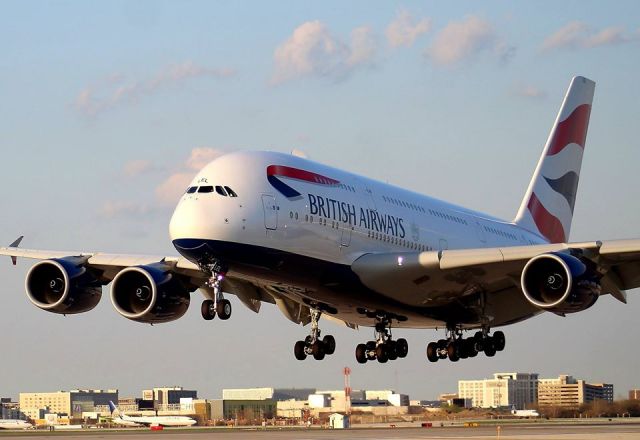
point(114, 409)
point(547, 207)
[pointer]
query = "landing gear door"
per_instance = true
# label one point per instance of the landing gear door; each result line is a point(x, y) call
point(270, 211)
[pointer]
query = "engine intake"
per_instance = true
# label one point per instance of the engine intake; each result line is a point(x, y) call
point(150, 294)
point(560, 283)
point(63, 285)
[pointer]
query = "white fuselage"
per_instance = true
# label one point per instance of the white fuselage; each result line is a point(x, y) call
point(14, 424)
point(154, 420)
point(288, 208)
point(333, 222)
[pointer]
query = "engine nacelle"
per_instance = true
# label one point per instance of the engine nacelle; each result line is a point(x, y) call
point(560, 283)
point(63, 285)
point(150, 294)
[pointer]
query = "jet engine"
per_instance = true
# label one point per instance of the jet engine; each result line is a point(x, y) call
point(560, 283)
point(63, 285)
point(150, 294)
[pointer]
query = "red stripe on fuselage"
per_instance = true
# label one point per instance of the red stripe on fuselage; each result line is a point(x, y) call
point(572, 130)
point(547, 223)
point(295, 173)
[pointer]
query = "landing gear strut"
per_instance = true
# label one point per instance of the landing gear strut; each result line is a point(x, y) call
point(455, 347)
point(218, 306)
point(313, 345)
point(384, 348)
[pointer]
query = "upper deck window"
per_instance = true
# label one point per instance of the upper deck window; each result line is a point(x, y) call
point(205, 189)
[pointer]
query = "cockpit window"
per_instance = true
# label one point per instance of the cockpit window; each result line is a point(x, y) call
point(205, 189)
point(220, 190)
point(192, 189)
point(231, 192)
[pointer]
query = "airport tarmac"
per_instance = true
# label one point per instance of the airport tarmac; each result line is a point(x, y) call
point(520, 432)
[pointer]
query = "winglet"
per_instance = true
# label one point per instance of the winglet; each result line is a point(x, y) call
point(15, 244)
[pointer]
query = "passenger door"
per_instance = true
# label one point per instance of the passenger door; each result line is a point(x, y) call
point(270, 211)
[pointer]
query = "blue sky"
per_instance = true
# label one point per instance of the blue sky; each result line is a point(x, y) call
point(108, 108)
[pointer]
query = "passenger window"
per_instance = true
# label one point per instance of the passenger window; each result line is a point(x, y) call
point(192, 189)
point(205, 189)
point(220, 190)
point(231, 192)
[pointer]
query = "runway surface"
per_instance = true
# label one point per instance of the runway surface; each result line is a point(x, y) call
point(522, 432)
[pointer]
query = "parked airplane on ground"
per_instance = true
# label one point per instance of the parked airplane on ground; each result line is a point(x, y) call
point(15, 424)
point(527, 413)
point(276, 228)
point(123, 419)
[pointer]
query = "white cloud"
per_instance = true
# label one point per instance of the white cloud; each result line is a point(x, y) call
point(171, 188)
point(528, 91)
point(404, 30)
point(465, 39)
point(312, 50)
point(579, 35)
point(117, 89)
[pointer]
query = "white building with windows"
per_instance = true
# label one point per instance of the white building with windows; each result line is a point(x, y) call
point(504, 390)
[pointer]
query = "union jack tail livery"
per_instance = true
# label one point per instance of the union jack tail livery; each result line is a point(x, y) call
point(547, 207)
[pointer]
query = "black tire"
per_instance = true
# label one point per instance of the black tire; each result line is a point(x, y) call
point(381, 353)
point(499, 340)
point(207, 311)
point(298, 351)
point(329, 344)
point(471, 347)
point(371, 345)
point(489, 347)
point(453, 351)
point(308, 340)
point(391, 348)
point(432, 352)
point(361, 353)
point(402, 347)
point(317, 349)
point(224, 309)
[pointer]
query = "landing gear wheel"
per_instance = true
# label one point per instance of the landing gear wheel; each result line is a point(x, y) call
point(498, 340)
point(224, 309)
point(208, 310)
point(361, 353)
point(317, 350)
point(371, 345)
point(381, 354)
point(432, 352)
point(402, 347)
point(329, 344)
point(489, 347)
point(471, 347)
point(442, 348)
point(453, 351)
point(391, 348)
point(298, 351)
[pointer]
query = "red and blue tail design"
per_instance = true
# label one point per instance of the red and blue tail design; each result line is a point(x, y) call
point(275, 172)
point(547, 207)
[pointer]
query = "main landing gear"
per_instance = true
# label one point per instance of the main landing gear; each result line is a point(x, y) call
point(384, 348)
point(312, 344)
point(455, 347)
point(218, 306)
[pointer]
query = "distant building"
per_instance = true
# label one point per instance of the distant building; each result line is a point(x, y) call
point(634, 394)
point(70, 403)
point(567, 391)
point(166, 397)
point(504, 390)
point(277, 394)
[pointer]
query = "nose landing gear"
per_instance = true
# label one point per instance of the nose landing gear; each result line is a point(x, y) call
point(312, 344)
point(220, 306)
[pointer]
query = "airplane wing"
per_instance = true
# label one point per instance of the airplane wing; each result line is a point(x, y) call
point(438, 278)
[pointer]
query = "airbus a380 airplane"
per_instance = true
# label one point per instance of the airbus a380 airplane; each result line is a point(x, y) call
point(276, 228)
